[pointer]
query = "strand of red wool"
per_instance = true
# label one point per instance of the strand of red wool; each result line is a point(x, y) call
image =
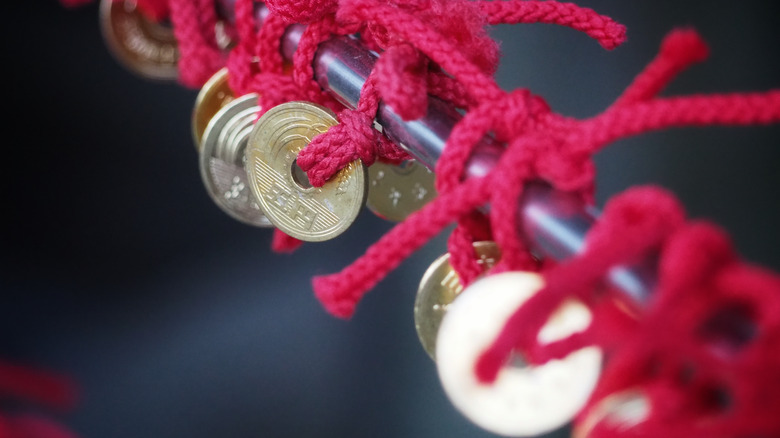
point(32, 426)
point(603, 29)
point(42, 388)
point(194, 26)
point(37, 386)
point(679, 50)
point(240, 63)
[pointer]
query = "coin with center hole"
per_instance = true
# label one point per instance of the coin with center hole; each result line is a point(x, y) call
point(147, 48)
point(439, 287)
point(213, 96)
point(222, 160)
point(284, 193)
point(397, 190)
point(524, 400)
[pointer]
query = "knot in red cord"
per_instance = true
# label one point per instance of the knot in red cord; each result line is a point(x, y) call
point(632, 224)
point(401, 81)
point(302, 11)
point(353, 138)
point(517, 113)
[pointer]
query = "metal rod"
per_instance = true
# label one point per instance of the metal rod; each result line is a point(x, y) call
point(553, 223)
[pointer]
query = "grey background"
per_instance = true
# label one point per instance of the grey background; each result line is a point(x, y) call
point(177, 321)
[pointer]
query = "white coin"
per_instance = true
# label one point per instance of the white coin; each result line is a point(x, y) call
point(523, 400)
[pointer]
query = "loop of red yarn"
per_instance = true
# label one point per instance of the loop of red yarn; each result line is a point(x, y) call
point(401, 81)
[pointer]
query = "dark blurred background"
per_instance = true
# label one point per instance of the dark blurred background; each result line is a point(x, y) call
point(178, 321)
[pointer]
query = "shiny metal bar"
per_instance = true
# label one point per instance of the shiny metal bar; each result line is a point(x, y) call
point(554, 223)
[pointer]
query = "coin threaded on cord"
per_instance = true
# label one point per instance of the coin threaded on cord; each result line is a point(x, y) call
point(282, 189)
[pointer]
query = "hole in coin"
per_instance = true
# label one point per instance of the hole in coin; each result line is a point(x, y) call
point(516, 360)
point(299, 176)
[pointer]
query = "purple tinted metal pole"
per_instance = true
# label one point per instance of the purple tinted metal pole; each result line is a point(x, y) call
point(554, 223)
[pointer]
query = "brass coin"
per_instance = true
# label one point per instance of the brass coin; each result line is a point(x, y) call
point(289, 201)
point(524, 400)
point(222, 160)
point(438, 288)
point(141, 45)
point(396, 191)
point(214, 95)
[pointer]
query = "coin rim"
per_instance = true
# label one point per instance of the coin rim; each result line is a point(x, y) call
point(218, 78)
point(255, 144)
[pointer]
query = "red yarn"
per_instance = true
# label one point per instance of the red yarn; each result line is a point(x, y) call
point(401, 81)
point(701, 379)
point(599, 27)
point(42, 388)
point(283, 243)
point(194, 25)
point(301, 11)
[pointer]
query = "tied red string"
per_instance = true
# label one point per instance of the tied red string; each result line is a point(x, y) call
point(542, 146)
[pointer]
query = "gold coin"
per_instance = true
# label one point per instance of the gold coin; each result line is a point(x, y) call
point(222, 160)
point(438, 288)
point(396, 191)
point(214, 95)
point(281, 188)
point(141, 45)
point(524, 399)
